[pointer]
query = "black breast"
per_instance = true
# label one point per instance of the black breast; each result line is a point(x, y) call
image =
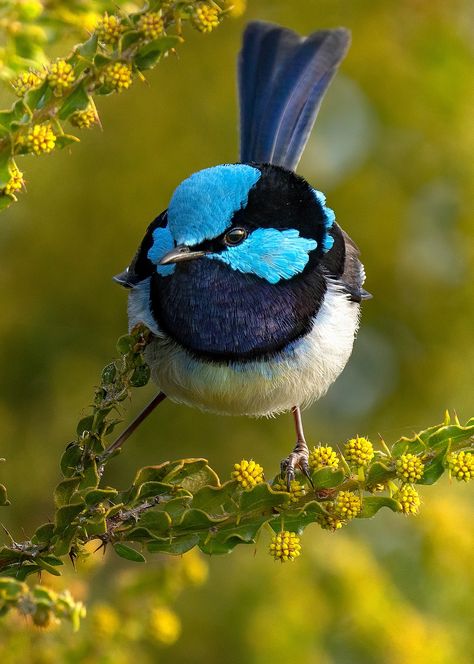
point(224, 315)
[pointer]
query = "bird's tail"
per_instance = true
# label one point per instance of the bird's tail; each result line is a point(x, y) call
point(282, 80)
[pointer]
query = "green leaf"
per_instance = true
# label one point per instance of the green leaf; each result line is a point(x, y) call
point(85, 425)
point(97, 496)
point(175, 546)
point(192, 474)
point(43, 534)
point(128, 553)
point(72, 457)
point(129, 38)
point(64, 491)
point(35, 98)
point(96, 526)
point(228, 535)
point(77, 100)
point(378, 473)
point(66, 139)
point(125, 344)
point(372, 504)
point(261, 498)
point(157, 522)
point(66, 515)
point(327, 478)
point(45, 565)
point(5, 160)
point(214, 499)
point(109, 374)
point(4, 502)
point(140, 376)
point(297, 521)
point(198, 520)
point(88, 48)
point(435, 467)
point(148, 55)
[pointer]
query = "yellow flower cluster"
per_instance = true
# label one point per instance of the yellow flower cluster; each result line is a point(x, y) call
point(323, 457)
point(461, 465)
point(247, 473)
point(409, 468)
point(152, 25)
point(164, 625)
point(109, 29)
point(359, 451)
point(331, 522)
point(297, 490)
point(84, 119)
point(409, 499)
point(25, 82)
point(60, 76)
point(285, 546)
point(118, 76)
point(15, 183)
point(347, 505)
point(40, 139)
point(206, 17)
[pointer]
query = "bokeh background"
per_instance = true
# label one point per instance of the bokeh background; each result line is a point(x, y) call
point(392, 149)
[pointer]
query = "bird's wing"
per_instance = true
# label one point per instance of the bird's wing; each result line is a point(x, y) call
point(353, 275)
point(282, 80)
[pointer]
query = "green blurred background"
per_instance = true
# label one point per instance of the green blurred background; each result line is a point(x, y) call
point(392, 149)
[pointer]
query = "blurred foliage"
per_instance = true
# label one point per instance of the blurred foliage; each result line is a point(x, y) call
point(119, 47)
point(392, 149)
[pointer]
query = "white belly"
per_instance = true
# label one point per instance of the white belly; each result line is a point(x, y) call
point(297, 376)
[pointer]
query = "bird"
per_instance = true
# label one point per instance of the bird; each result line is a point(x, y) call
point(249, 286)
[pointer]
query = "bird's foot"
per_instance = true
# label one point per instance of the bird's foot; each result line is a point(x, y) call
point(297, 459)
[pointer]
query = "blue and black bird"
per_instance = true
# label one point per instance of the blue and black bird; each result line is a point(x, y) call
point(251, 289)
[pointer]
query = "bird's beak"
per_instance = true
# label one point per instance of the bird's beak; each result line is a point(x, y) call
point(179, 254)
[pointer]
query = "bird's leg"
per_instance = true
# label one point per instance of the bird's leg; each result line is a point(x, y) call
point(299, 456)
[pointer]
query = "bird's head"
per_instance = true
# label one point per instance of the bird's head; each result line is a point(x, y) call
point(260, 220)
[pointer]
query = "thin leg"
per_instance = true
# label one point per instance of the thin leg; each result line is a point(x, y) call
point(161, 396)
point(299, 456)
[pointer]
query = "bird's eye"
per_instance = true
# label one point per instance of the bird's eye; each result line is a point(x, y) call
point(235, 236)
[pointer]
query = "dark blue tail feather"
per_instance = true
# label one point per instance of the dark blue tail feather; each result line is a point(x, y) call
point(282, 80)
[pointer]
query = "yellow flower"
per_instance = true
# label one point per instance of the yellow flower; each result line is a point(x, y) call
point(165, 626)
point(118, 76)
point(109, 29)
point(323, 457)
point(15, 183)
point(359, 451)
point(409, 468)
point(40, 139)
point(194, 568)
point(25, 82)
point(84, 119)
point(409, 499)
point(297, 490)
point(60, 76)
point(152, 25)
point(247, 473)
point(347, 505)
point(105, 622)
point(285, 546)
point(331, 522)
point(206, 17)
point(461, 465)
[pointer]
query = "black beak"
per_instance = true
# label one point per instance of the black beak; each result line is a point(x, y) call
point(179, 254)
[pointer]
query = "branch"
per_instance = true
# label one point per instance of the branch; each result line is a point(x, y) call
point(118, 50)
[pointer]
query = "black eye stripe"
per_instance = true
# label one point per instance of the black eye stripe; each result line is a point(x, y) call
point(235, 236)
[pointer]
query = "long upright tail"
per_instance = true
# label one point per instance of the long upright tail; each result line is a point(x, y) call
point(282, 80)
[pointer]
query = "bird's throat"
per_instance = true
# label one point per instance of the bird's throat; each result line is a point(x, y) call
point(223, 315)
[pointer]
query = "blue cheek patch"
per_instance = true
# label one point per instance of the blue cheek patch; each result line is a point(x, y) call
point(162, 243)
point(329, 219)
point(270, 254)
point(202, 207)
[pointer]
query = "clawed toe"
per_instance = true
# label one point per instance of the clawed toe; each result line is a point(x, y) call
point(297, 459)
